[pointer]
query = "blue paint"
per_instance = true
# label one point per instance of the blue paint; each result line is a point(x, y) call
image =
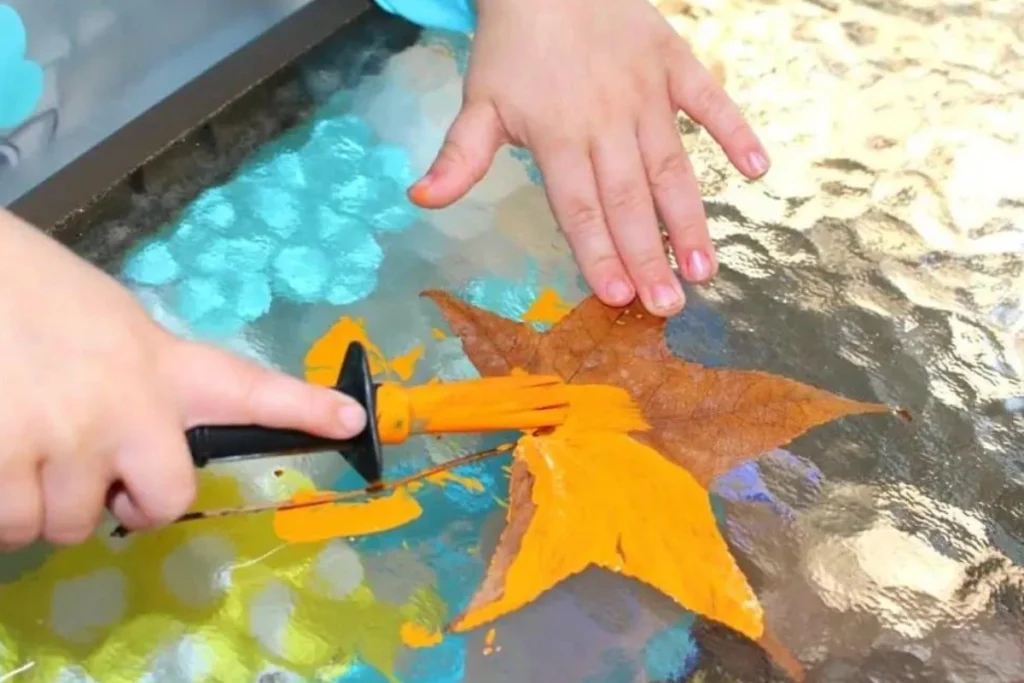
point(301, 273)
point(532, 170)
point(21, 79)
point(443, 663)
point(672, 654)
point(449, 15)
point(153, 264)
point(360, 672)
point(617, 666)
point(298, 221)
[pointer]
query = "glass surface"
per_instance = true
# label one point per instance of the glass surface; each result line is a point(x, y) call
point(881, 259)
point(86, 68)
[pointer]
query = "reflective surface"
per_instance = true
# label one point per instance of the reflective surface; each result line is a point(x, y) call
point(882, 259)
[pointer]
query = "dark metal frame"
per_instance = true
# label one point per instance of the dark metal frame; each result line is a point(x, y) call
point(94, 173)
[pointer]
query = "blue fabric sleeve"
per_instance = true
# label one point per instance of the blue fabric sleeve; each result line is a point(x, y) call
point(449, 15)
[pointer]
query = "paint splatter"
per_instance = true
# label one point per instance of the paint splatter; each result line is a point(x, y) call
point(489, 647)
point(547, 309)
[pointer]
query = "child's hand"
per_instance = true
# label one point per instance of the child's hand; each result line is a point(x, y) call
point(592, 88)
point(96, 394)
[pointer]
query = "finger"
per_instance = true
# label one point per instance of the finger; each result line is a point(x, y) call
point(216, 387)
point(572, 192)
point(124, 509)
point(464, 158)
point(677, 195)
point(154, 467)
point(74, 490)
point(629, 208)
point(21, 505)
point(696, 92)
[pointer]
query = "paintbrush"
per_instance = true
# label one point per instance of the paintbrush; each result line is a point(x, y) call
point(394, 413)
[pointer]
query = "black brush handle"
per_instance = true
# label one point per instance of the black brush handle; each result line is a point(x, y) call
point(219, 442)
point(209, 443)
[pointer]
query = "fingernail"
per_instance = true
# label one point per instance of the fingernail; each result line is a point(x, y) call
point(352, 417)
point(698, 266)
point(419, 193)
point(759, 163)
point(619, 292)
point(666, 298)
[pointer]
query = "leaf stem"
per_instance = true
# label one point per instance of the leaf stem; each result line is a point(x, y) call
point(343, 496)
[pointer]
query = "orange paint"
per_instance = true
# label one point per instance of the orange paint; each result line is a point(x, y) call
point(323, 360)
point(416, 635)
point(479, 405)
point(548, 308)
point(489, 648)
point(419, 194)
point(599, 498)
point(449, 477)
point(323, 522)
point(437, 334)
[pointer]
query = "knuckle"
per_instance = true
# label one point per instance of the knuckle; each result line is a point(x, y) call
point(625, 198)
point(708, 99)
point(451, 152)
point(583, 219)
point(175, 499)
point(669, 171)
point(650, 265)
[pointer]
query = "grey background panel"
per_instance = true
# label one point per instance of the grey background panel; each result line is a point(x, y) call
point(106, 62)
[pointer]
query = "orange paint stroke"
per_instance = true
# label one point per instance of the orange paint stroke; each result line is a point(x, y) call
point(437, 334)
point(449, 477)
point(323, 522)
point(323, 360)
point(489, 648)
point(548, 308)
point(417, 636)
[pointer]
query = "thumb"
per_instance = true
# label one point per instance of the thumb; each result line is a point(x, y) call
point(215, 387)
point(464, 158)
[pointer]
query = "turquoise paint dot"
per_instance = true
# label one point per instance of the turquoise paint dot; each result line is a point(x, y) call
point(253, 296)
point(672, 653)
point(355, 260)
point(277, 209)
point(342, 140)
point(332, 225)
point(212, 210)
point(21, 79)
point(355, 195)
point(198, 297)
point(300, 273)
point(506, 298)
point(227, 254)
point(398, 217)
point(153, 265)
point(389, 161)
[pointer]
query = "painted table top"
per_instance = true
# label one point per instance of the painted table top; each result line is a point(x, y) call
point(881, 258)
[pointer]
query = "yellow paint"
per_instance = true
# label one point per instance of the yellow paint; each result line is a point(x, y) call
point(548, 308)
point(323, 360)
point(603, 499)
point(438, 334)
point(416, 635)
point(449, 477)
point(323, 522)
point(322, 630)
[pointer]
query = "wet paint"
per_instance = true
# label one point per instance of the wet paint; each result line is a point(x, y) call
point(417, 636)
point(323, 360)
point(437, 334)
point(338, 520)
point(489, 646)
point(548, 308)
point(582, 512)
point(228, 595)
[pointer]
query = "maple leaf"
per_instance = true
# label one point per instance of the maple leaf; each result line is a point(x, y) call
point(633, 499)
point(706, 420)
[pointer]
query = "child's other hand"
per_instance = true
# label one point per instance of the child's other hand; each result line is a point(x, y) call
point(592, 88)
point(96, 394)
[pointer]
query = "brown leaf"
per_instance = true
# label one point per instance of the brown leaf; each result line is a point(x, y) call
point(704, 419)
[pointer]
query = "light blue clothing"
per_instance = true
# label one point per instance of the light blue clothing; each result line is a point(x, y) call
point(447, 15)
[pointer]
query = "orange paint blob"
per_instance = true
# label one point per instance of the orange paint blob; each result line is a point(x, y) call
point(437, 334)
point(323, 360)
point(587, 494)
point(419, 194)
point(323, 522)
point(548, 308)
point(449, 477)
point(416, 635)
